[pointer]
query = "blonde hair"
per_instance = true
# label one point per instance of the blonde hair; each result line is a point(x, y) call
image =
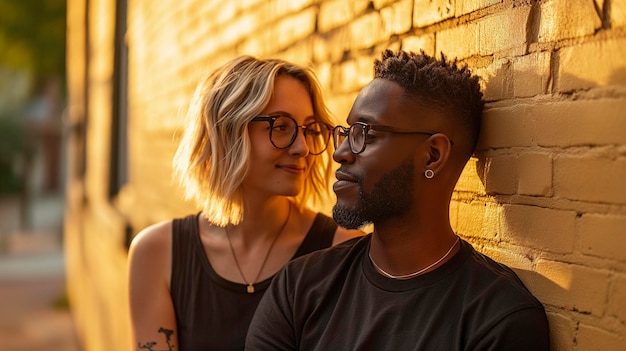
point(213, 155)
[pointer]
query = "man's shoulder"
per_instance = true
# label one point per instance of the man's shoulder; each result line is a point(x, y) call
point(498, 281)
point(499, 299)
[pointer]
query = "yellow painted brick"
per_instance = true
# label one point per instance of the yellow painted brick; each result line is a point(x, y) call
point(592, 64)
point(301, 53)
point(367, 30)
point(397, 17)
point(295, 27)
point(468, 6)
point(572, 287)
point(617, 307)
point(542, 228)
point(340, 105)
point(323, 70)
point(427, 12)
point(501, 175)
point(580, 122)
point(591, 338)
point(531, 74)
point(470, 219)
point(535, 174)
point(379, 4)
point(353, 74)
point(470, 180)
point(101, 54)
point(332, 46)
point(335, 13)
point(603, 236)
point(564, 19)
point(248, 4)
point(262, 43)
point(491, 220)
point(321, 49)
point(281, 7)
point(508, 127)
point(504, 31)
point(458, 42)
point(224, 12)
point(562, 331)
point(590, 178)
point(416, 43)
point(496, 80)
point(240, 27)
point(618, 14)
point(517, 259)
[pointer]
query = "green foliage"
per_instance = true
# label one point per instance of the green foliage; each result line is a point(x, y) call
point(32, 36)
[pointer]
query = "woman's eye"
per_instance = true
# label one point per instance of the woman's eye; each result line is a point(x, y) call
point(312, 132)
point(281, 127)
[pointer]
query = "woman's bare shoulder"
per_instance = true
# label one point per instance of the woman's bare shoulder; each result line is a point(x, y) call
point(154, 238)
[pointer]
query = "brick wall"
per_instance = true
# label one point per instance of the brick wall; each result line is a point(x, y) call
point(545, 194)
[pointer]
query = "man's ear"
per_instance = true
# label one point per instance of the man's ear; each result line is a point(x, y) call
point(439, 148)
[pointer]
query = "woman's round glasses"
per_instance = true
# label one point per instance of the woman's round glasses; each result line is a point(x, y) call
point(284, 130)
point(357, 134)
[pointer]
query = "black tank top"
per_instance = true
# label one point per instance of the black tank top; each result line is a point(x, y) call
point(213, 313)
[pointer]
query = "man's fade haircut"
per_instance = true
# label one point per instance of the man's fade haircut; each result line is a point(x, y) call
point(437, 82)
point(212, 158)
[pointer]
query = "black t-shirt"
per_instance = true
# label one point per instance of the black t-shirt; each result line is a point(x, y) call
point(213, 313)
point(335, 300)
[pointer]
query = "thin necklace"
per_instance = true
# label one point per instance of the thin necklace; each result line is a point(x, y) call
point(250, 286)
point(414, 274)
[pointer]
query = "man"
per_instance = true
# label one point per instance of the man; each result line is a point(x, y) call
point(412, 284)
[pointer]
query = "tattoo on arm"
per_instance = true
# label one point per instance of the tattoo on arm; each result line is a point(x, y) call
point(151, 344)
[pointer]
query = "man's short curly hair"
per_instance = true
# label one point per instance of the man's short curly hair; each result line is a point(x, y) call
point(436, 82)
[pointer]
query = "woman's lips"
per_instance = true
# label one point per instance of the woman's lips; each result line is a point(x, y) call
point(292, 169)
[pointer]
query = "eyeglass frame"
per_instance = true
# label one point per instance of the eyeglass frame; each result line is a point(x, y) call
point(377, 127)
point(272, 118)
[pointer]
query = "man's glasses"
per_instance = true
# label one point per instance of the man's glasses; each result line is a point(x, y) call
point(357, 134)
point(284, 130)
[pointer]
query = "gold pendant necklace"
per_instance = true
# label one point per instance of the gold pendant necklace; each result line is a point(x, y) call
point(250, 286)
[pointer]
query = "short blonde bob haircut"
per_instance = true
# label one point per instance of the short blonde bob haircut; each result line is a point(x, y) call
point(213, 155)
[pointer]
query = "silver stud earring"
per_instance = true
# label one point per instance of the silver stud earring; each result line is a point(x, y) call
point(429, 173)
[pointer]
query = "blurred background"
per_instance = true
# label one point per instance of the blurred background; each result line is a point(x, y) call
point(34, 310)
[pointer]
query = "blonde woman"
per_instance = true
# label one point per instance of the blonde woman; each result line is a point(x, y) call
point(254, 152)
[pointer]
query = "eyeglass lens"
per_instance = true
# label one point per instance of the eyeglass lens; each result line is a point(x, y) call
point(285, 130)
point(356, 137)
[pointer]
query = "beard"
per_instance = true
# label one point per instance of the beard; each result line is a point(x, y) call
point(391, 196)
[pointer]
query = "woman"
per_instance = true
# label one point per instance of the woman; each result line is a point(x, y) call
point(253, 154)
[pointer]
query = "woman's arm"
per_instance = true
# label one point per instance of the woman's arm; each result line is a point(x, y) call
point(151, 310)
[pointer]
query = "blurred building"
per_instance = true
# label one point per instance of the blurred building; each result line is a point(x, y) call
point(31, 138)
point(545, 193)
